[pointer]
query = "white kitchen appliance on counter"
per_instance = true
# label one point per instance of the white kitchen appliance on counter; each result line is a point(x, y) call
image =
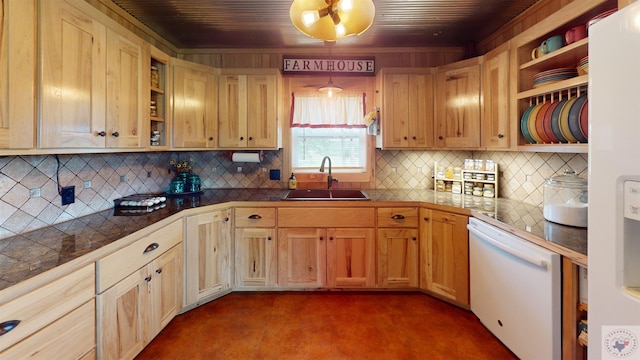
point(614, 186)
point(515, 291)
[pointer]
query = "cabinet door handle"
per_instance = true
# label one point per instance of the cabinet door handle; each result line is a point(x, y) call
point(102, 133)
point(321, 238)
point(115, 134)
point(255, 217)
point(151, 247)
point(147, 279)
point(269, 238)
point(241, 137)
point(226, 219)
point(500, 136)
point(210, 138)
point(398, 217)
point(440, 137)
point(415, 238)
point(159, 271)
point(250, 138)
point(8, 325)
point(426, 219)
point(405, 138)
point(331, 238)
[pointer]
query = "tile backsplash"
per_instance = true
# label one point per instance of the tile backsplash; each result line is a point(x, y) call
point(100, 178)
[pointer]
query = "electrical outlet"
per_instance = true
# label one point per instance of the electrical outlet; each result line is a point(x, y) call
point(528, 178)
point(123, 178)
point(148, 174)
point(86, 184)
point(68, 195)
point(239, 169)
point(34, 193)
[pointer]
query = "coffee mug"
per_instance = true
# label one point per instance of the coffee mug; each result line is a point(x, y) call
point(575, 33)
point(536, 53)
point(552, 44)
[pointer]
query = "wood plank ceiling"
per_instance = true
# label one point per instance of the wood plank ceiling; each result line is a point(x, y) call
point(266, 24)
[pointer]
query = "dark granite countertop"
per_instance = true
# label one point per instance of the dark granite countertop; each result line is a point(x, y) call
point(26, 255)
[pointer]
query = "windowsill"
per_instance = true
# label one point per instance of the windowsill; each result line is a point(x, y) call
point(318, 177)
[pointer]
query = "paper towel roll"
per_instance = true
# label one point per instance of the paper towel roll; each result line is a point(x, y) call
point(246, 157)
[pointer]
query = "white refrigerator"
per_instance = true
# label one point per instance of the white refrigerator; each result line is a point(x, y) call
point(614, 186)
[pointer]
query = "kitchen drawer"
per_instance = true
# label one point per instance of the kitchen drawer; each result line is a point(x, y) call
point(115, 267)
point(326, 217)
point(255, 217)
point(45, 305)
point(71, 337)
point(397, 217)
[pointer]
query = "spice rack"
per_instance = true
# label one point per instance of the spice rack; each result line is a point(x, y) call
point(158, 110)
point(478, 181)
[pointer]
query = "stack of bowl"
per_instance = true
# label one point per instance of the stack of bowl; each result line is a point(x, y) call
point(583, 66)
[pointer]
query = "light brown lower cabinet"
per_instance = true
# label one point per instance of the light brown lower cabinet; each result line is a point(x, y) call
point(208, 255)
point(398, 258)
point(444, 253)
point(133, 311)
point(256, 257)
point(57, 318)
point(398, 245)
point(321, 257)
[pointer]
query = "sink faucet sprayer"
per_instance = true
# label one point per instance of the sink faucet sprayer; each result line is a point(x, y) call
point(330, 179)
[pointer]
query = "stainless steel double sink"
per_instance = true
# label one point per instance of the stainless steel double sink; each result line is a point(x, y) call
point(326, 194)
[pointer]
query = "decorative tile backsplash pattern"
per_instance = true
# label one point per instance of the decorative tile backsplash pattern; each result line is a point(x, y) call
point(100, 178)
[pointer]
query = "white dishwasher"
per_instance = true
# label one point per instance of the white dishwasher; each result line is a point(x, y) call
point(515, 290)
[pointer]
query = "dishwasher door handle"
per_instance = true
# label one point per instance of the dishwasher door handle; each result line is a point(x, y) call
point(506, 248)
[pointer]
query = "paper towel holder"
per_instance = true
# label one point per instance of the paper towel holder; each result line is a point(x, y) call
point(259, 157)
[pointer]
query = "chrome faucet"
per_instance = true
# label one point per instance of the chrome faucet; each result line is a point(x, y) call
point(330, 179)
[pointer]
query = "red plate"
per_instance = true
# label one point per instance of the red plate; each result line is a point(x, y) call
point(546, 122)
point(584, 119)
point(540, 123)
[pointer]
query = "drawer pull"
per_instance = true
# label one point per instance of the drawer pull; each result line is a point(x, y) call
point(255, 217)
point(151, 247)
point(426, 219)
point(226, 219)
point(415, 238)
point(159, 271)
point(269, 238)
point(7, 326)
point(147, 279)
point(398, 217)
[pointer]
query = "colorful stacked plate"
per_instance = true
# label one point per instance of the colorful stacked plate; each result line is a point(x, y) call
point(532, 124)
point(564, 120)
point(584, 119)
point(599, 17)
point(574, 118)
point(555, 121)
point(553, 75)
point(524, 125)
point(539, 123)
point(546, 122)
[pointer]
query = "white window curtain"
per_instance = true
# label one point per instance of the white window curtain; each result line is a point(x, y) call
point(342, 110)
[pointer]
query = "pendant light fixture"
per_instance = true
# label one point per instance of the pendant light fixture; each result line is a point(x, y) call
point(330, 20)
point(330, 88)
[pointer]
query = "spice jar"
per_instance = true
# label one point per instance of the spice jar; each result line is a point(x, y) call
point(155, 77)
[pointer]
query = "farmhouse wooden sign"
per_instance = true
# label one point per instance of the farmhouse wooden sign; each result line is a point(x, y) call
point(301, 65)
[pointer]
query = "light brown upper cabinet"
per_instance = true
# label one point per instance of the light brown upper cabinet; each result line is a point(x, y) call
point(458, 105)
point(248, 114)
point(495, 93)
point(406, 107)
point(17, 84)
point(194, 105)
point(92, 80)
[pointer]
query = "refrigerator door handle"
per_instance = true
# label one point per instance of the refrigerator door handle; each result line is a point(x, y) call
point(506, 248)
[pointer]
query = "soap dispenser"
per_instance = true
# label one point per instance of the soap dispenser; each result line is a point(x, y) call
point(293, 183)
